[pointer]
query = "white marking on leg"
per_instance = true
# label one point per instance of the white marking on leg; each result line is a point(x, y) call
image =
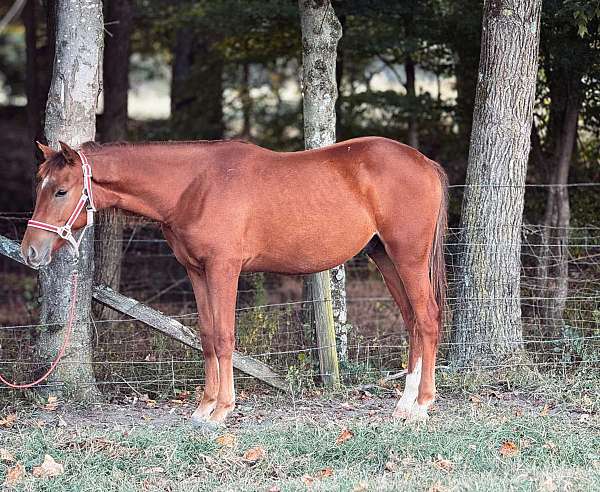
point(411, 390)
point(418, 413)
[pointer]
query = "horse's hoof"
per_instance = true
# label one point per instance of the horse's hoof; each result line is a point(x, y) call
point(418, 413)
point(401, 414)
point(206, 425)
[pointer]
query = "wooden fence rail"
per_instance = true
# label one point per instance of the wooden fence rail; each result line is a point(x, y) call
point(160, 322)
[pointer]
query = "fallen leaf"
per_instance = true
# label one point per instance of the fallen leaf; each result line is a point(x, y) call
point(15, 474)
point(177, 402)
point(361, 487)
point(9, 420)
point(52, 404)
point(49, 468)
point(5, 455)
point(345, 435)
point(443, 464)
point(438, 487)
point(549, 445)
point(255, 454)
point(391, 466)
point(227, 440)
point(61, 422)
point(324, 473)
point(274, 488)
point(509, 448)
point(475, 399)
point(518, 412)
point(544, 411)
point(547, 485)
point(308, 480)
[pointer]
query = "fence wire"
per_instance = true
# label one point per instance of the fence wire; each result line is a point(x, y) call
point(273, 323)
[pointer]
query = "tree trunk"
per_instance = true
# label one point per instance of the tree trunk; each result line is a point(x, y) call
point(246, 103)
point(196, 88)
point(38, 66)
point(411, 92)
point(321, 32)
point(113, 127)
point(487, 325)
point(71, 116)
point(339, 76)
point(553, 271)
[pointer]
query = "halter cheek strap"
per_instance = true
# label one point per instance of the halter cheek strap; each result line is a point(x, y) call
point(86, 200)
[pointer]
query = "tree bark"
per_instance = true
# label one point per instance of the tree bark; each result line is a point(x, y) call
point(553, 270)
point(113, 127)
point(196, 88)
point(38, 66)
point(71, 117)
point(321, 32)
point(411, 92)
point(487, 325)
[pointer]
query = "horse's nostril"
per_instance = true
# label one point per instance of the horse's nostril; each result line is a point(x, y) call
point(32, 253)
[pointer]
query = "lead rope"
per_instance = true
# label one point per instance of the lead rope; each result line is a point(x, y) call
point(61, 352)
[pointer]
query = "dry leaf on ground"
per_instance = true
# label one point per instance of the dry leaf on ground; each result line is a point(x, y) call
point(324, 473)
point(361, 487)
point(9, 420)
point(15, 474)
point(509, 448)
point(544, 411)
point(255, 454)
point(443, 464)
point(227, 440)
point(345, 435)
point(438, 487)
point(52, 404)
point(5, 455)
point(308, 480)
point(49, 468)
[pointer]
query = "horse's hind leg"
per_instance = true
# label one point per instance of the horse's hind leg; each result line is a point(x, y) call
point(411, 260)
point(377, 253)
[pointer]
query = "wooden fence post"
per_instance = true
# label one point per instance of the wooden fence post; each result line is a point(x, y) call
point(323, 313)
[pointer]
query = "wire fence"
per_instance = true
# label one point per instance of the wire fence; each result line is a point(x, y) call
point(272, 322)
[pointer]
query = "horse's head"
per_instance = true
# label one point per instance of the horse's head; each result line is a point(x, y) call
point(59, 192)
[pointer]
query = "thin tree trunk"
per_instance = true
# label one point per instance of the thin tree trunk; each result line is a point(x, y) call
point(553, 271)
point(411, 92)
point(113, 127)
point(321, 32)
point(196, 88)
point(339, 76)
point(71, 116)
point(246, 103)
point(487, 324)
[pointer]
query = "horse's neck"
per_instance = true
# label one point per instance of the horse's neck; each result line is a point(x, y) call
point(136, 181)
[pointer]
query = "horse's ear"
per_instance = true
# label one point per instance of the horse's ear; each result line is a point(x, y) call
point(47, 151)
point(68, 153)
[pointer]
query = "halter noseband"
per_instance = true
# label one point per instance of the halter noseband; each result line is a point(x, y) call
point(86, 200)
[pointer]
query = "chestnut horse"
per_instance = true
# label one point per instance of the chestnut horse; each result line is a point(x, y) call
point(228, 207)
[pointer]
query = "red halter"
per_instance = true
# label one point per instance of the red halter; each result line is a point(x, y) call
point(86, 198)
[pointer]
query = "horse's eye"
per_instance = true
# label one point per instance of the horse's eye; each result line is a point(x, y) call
point(60, 193)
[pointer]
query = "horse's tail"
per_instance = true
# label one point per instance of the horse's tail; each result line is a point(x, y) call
point(437, 265)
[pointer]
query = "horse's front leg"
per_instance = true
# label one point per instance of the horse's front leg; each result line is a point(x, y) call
point(222, 277)
point(207, 336)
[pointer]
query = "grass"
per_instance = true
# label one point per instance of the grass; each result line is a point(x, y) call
point(554, 444)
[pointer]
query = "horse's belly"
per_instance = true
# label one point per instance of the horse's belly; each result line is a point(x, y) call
point(310, 246)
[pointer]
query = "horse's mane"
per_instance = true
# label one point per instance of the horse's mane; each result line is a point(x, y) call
point(58, 161)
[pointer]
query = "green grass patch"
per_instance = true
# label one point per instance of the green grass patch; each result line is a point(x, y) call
point(458, 449)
